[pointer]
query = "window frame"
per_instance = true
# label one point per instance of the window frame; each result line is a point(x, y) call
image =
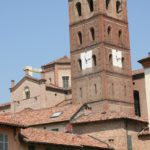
point(27, 93)
point(79, 8)
point(31, 147)
point(65, 80)
point(91, 5)
point(5, 141)
point(137, 103)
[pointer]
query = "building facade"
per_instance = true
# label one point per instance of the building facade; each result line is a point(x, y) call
point(100, 53)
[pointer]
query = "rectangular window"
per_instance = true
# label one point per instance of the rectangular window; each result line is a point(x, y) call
point(3, 142)
point(80, 92)
point(137, 103)
point(65, 82)
point(31, 147)
point(55, 129)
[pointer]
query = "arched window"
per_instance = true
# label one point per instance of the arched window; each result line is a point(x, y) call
point(110, 59)
point(120, 33)
point(79, 8)
point(109, 30)
point(94, 60)
point(95, 87)
point(91, 5)
point(118, 6)
point(123, 62)
point(112, 86)
point(81, 94)
point(80, 37)
point(137, 103)
point(125, 90)
point(107, 4)
point(26, 93)
point(92, 34)
point(80, 64)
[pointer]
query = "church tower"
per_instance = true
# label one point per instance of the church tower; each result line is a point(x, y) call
point(100, 53)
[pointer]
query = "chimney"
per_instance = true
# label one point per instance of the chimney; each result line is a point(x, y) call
point(149, 54)
point(12, 83)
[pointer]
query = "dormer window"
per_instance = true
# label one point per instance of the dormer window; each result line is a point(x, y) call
point(26, 93)
point(79, 8)
point(91, 5)
point(56, 114)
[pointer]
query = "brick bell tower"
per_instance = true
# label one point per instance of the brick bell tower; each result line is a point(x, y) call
point(100, 54)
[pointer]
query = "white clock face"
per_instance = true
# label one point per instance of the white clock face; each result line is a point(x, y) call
point(117, 58)
point(86, 60)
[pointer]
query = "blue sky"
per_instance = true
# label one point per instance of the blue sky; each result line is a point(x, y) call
point(34, 32)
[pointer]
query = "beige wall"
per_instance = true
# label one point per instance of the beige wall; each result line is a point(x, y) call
point(138, 143)
point(50, 127)
point(13, 143)
point(139, 85)
point(62, 73)
point(147, 85)
point(54, 98)
point(115, 133)
point(40, 97)
point(56, 72)
point(111, 132)
point(37, 94)
point(62, 70)
point(35, 90)
point(50, 75)
point(4, 110)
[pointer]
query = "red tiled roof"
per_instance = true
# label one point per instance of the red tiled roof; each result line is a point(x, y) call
point(136, 72)
point(10, 121)
point(145, 62)
point(144, 132)
point(5, 104)
point(145, 59)
point(95, 117)
point(40, 136)
point(30, 117)
point(62, 60)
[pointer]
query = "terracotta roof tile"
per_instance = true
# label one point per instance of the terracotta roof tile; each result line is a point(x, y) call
point(31, 135)
point(144, 132)
point(64, 59)
point(30, 117)
point(10, 121)
point(139, 71)
point(5, 104)
point(95, 117)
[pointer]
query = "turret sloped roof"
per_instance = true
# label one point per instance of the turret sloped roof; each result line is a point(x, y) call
point(62, 60)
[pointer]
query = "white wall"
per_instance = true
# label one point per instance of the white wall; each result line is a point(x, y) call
point(147, 85)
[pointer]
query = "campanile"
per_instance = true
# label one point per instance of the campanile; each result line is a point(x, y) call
point(100, 53)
